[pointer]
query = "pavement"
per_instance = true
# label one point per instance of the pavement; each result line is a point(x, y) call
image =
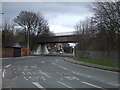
point(92, 65)
point(54, 72)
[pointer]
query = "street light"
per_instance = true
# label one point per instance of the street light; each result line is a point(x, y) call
point(1, 20)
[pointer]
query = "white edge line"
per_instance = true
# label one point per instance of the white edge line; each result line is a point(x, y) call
point(64, 84)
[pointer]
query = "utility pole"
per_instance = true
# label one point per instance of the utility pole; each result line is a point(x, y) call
point(28, 43)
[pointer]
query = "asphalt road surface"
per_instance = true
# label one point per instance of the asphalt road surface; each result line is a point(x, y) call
point(53, 72)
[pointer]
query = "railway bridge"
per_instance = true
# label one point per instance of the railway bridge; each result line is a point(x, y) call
point(42, 49)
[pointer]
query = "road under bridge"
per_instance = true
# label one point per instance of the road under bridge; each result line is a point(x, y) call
point(42, 49)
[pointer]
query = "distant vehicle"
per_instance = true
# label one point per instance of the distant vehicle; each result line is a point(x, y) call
point(60, 52)
point(54, 52)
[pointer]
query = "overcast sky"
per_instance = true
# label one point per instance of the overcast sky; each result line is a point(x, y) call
point(61, 16)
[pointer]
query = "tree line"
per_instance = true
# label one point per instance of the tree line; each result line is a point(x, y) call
point(27, 28)
point(101, 32)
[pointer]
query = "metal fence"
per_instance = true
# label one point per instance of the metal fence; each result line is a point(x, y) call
point(100, 55)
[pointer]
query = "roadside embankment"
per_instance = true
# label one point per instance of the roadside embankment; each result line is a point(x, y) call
point(92, 65)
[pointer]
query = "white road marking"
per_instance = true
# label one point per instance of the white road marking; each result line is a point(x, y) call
point(37, 78)
point(26, 66)
point(29, 73)
point(61, 78)
point(8, 66)
point(34, 73)
point(71, 78)
point(38, 85)
point(29, 77)
point(44, 74)
point(25, 69)
point(23, 73)
point(14, 78)
point(35, 66)
point(92, 85)
point(84, 75)
point(63, 67)
point(42, 62)
point(64, 84)
point(59, 73)
point(76, 78)
point(24, 77)
point(103, 81)
point(54, 63)
point(4, 72)
point(43, 78)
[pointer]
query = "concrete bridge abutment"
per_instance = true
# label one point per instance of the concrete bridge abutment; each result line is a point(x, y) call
point(42, 50)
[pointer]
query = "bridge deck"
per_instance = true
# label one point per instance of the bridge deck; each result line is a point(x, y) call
point(58, 39)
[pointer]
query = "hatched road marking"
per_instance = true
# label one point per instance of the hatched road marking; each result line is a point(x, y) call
point(64, 84)
point(8, 66)
point(93, 85)
point(38, 85)
point(63, 67)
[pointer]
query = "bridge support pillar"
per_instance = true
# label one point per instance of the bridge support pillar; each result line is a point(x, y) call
point(73, 51)
point(42, 50)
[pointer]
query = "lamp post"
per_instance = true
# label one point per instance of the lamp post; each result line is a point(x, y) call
point(1, 19)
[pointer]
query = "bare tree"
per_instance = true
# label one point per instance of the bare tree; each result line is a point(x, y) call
point(7, 34)
point(102, 31)
point(85, 31)
point(108, 23)
point(33, 24)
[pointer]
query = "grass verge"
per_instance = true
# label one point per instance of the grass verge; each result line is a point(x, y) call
point(100, 62)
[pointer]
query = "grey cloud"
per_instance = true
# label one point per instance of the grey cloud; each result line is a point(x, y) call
point(55, 8)
point(65, 14)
